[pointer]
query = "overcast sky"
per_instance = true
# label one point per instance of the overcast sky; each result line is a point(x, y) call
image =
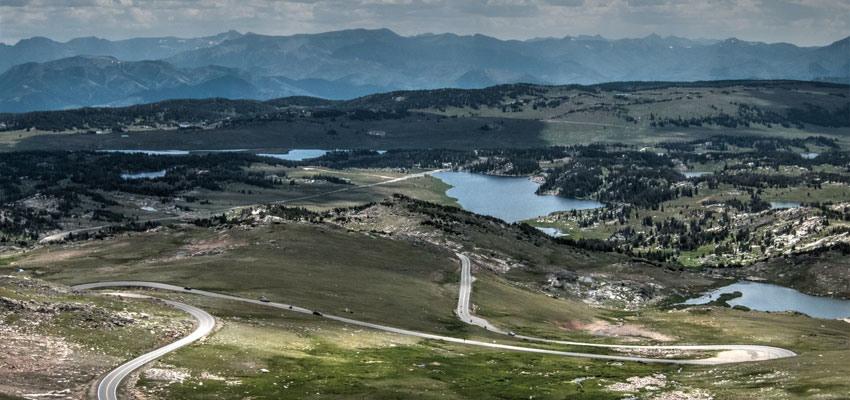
point(802, 22)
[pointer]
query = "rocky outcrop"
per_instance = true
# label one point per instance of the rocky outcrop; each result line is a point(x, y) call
point(599, 291)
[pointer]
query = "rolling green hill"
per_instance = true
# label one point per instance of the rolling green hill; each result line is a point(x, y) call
point(500, 116)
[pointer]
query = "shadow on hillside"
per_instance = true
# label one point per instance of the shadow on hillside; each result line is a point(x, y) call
point(417, 131)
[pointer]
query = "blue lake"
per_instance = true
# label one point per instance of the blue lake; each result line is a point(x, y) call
point(553, 232)
point(171, 152)
point(297, 154)
point(694, 174)
point(766, 297)
point(303, 154)
point(292, 155)
point(781, 205)
point(150, 152)
point(144, 175)
point(219, 151)
point(511, 199)
point(809, 156)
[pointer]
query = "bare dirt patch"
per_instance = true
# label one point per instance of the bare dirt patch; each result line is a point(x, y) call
point(54, 343)
point(635, 383)
point(658, 387)
point(61, 255)
point(209, 244)
point(729, 356)
point(34, 365)
point(624, 331)
point(41, 202)
point(203, 247)
point(692, 394)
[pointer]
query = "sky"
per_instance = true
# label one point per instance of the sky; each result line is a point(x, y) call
point(801, 22)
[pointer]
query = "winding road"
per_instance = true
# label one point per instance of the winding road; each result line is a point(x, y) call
point(729, 352)
point(107, 389)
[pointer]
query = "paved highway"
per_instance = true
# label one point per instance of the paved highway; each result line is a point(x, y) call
point(109, 385)
point(107, 389)
point(743, 352)
point(463, 313)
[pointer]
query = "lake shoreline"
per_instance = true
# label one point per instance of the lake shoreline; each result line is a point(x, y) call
point(770, 297)
point(512, 199)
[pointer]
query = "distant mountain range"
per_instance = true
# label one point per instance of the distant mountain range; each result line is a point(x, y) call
point(40, 49)
point(43, 74)
point(106, 81)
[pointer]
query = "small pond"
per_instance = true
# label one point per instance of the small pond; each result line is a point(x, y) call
point(694, 174)
point(511, 199)
point(553, 232)
point(809, 156)
point(144, 175)
point(150, 152)
point(766, 297)
point(292, 155)
point(781, 205)
point(297, 154)
point(303, 154)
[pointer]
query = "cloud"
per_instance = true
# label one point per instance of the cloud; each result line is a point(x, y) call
point(646, 3)
point(565, 3)
point(808, 22)
point(498, 8)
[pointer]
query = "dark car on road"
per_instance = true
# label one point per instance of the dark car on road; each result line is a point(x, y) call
point(187, 288)
point(318, 313)
point(264, 299)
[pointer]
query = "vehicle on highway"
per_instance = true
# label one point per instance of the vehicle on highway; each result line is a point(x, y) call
point(264, 299)
point(511, 333)
point(187, 287)
point(318, 313)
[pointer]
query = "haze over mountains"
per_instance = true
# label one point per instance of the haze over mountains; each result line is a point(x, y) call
point(41, 49)
point(41, 74)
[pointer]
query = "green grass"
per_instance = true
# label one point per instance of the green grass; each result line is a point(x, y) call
point(317, 358)
point(317, 196)
point(682, 208)
point(311, 357)
point(66, 340)
point(407, 133)
point(822, 346)
point(380, 280)
point(322, 268)
point(395, 283)
point(565, 124)
point(835, 193)
point(74, 326)
point(526, 312)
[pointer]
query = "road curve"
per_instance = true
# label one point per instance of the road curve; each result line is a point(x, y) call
point(164, 286)
point(752, 352)
point(107, 389)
